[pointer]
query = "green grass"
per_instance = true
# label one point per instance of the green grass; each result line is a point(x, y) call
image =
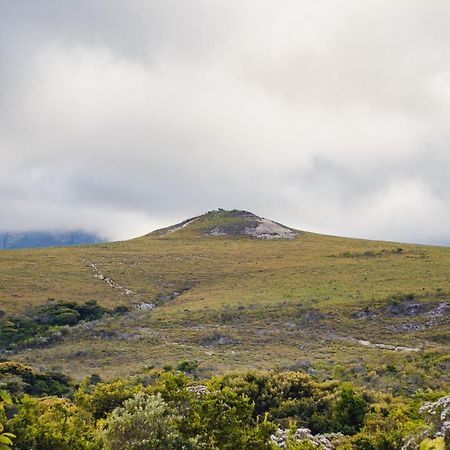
point(280, 303)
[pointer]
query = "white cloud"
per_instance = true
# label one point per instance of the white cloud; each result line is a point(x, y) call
point(123, 116)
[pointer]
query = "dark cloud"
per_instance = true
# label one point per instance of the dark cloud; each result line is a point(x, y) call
point(119, 117)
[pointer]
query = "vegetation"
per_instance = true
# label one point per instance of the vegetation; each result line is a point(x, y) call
point(22, 379)
point(157, 409)
point(47, 323)
point(186, 326)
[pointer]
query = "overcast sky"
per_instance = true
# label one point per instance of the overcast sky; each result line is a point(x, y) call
point(121, 116)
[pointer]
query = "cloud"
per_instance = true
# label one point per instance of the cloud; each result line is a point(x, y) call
point(122, 116)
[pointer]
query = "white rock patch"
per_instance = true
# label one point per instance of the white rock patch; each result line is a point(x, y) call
point(179, 227)
point(266, 229)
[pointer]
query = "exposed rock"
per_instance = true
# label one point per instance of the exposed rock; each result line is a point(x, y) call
point(143, 306)
point(180, 226)
point(364, 314)
point(217, 231)
point(98, 274)
point(404, 309)
point(328, 441)
point(438, 314)
point(267, 229)
point(437, 416)
point(310, 317)
point(395, 348)
point(366, 343)
point(233, 223)
point(198, 389)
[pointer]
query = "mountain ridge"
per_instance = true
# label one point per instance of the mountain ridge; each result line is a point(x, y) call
point(46, 238)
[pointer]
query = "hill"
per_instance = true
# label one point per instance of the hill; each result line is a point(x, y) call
point(229, 290)
point(38, 239)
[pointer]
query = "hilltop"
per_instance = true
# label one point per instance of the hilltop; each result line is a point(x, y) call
point(229, 290)
point(230, 223)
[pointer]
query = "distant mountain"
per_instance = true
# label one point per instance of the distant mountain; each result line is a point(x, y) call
point(35, 239)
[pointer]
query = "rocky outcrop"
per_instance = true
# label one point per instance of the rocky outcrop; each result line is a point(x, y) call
point(245, 223)
point(328, 441)
point(231, 223)
point(437, 416)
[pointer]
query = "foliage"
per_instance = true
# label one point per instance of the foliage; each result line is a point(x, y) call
point(349, 409)
point(226, 422)
point(18, 378)
point(104, 397)
point(433, 444)
point(144, 422)
point(51, 423)
point(285, 395)
point(47, 323)
point(5, 437)
point(187, 366)
point(162, 409)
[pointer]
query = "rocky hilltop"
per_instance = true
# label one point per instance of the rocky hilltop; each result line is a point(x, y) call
point(231, 223)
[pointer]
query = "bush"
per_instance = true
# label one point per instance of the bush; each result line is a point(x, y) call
point(20, 378)
point(104, 397)
point(144, 422)
point(349, 410)
point(226, 422)
point(51, 423)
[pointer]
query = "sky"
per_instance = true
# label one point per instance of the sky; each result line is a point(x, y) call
point(122, 116)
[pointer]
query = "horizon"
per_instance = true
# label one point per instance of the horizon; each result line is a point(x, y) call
point(106, 239)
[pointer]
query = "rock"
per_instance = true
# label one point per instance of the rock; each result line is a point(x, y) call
point(143, 306)
point(364, 314)
point(404, 309)
point(436, 315)
point(437, 415)
point(199, 389)
point(328, 441)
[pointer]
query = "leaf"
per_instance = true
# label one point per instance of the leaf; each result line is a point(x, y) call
point(5, 439)
point(4, 396)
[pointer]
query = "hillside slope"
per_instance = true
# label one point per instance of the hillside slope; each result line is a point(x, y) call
point(230, 290)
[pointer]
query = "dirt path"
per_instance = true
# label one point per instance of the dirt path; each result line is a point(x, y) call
point(114, 285)
point(366, 343)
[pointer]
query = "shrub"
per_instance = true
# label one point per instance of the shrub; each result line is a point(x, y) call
point(349, 410)
point(144, 422)
point(104, 397)
point(51, 423)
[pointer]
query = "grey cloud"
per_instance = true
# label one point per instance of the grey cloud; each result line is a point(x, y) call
point(119, 117)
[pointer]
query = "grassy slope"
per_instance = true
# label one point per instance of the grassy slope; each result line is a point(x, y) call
point(244, 303)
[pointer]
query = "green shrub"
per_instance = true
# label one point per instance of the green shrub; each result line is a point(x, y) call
point(104, 397)
point(51, 423)
point(349, 409)
point(144, 422)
